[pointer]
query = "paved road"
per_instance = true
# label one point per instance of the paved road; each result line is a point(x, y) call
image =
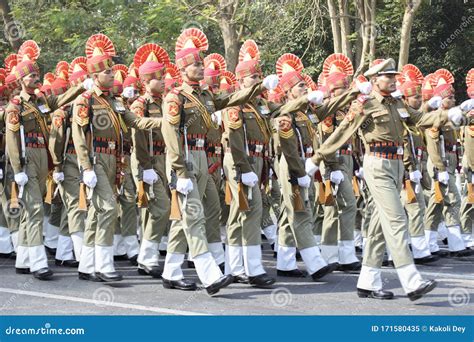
point(138, 295)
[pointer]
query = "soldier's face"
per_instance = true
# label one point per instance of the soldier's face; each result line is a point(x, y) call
point(448, 102)
point(157, 86)
point(414, 101)
point(194, 72)
point(299, 90)
point(105, 78)
point(31, 81)
point(386, 83)
point(250, 81)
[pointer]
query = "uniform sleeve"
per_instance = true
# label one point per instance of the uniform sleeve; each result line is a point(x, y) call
point(13, 136)
point(70, 95)
point(234, 125)
point(172, 107)
point(433, 148)
point(289, 145)
point(239, 97)
point(353, 120)
point(435, 118)
point(139, 139)
point(57, 138)
point(330, 107)
point(79, 127)
point(131, 120)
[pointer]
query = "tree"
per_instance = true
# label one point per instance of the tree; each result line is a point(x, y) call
point(13, 31)
point(411, 7)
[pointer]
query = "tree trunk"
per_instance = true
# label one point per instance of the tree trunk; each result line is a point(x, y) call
point(345, 28)
point(335, 27)
point(229, 32)
point(405, 35)
point(12, 30)
point(365, 32)
point(373, 30)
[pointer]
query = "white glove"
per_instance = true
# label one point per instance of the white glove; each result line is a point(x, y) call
point(397, 94)
point(455, 115)
point(365, 88)
point(435, 102)
point(467, 105)
point(336, 177)
point(443, 177)
point(90, 179)
point(310, 167)
point(128, 92)
point(415, 176)
point(1, 174)
point(316, 97)
point(249, 179)
point(304, 181)
point(149, 176)
point(270, 82)
point(58, 177)
point(88, 84)
point(184, 185)
point(359, 173)
point(217, 117)
point(21, 178)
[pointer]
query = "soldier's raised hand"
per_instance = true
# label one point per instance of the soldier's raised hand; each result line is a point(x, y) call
point(316, 97)
point(455, 115)
point(467, 105)
point(435, 102)
point(364, 87)
point(270, 82)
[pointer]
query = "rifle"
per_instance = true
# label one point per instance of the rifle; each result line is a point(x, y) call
point(303, 159)
point(228, 193)
point(251, 161)
point(82, 206)
point(175, 213)
point(321, 188)
point(298, 203)
point(438, 194)
point(243, 201)
point(328, 193)
point(150, 152)
point(142, 199)
point(17, 191)
point(410, 192)
point(470, 187)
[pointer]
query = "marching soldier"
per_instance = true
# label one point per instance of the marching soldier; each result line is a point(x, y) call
point(379, 118)
point(445, 199)
point(28, 117)
point(245, 141)
point(66, 170)
point(337, 243)
point(214, 67)
point(99, 123)
point(65, 247)
point(415, 165)
point(467, 206)
point(149, 155)
point(296, 141)
point(6, 244)
point(187, 112)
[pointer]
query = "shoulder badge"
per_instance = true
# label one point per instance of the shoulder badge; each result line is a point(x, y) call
point(58, 118)
point(285, 129)
point(172, 108)
point(13, 120)
point(137, 107)
point(433, 133)
point(356, 108)
point(235, 122)
point(327, 124)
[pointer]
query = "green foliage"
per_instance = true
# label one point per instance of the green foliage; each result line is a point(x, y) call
point(62, 27)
